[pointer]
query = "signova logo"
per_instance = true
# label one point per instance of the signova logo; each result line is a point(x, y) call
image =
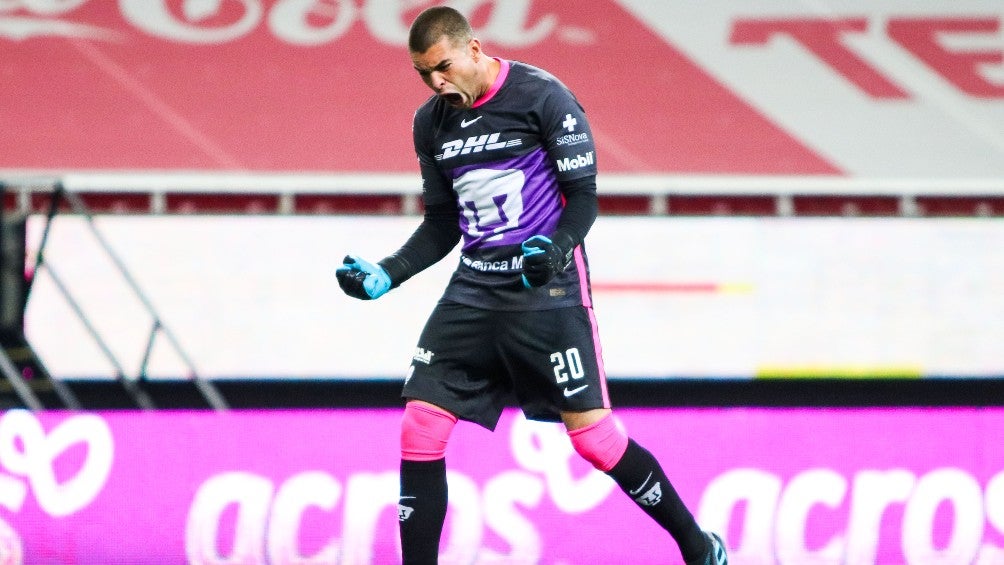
point(572, 139)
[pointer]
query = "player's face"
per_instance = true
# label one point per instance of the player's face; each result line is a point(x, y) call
point(451, 71)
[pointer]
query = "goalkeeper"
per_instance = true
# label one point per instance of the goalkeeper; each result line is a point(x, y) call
point(508, 168)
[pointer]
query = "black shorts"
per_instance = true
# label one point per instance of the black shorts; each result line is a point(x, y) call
point(473, 362)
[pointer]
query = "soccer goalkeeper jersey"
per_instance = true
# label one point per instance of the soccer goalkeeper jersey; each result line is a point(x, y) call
point(501, 162)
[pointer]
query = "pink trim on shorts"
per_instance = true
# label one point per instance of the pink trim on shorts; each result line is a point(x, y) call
point(580, 267)
point(503, 72)
point(587, 303)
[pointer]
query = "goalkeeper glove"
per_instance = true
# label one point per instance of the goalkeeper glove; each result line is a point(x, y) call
point(361, 279)
point(543, 258)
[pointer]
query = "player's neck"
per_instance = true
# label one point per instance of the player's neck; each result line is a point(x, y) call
point(494, 67)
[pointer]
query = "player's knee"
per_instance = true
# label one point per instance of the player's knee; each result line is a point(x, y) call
point(602, 443)
point(425, 431)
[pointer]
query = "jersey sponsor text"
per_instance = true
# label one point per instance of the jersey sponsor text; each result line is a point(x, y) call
point(515, 263)
point(572, 163)
point(475, 144)
point(572, 139)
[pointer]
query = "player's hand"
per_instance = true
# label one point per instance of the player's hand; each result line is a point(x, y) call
point(361, 279)
point(542, 260)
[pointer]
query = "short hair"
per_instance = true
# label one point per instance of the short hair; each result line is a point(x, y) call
point(433, 24)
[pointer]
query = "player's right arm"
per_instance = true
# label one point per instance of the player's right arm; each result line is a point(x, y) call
point(434, 238)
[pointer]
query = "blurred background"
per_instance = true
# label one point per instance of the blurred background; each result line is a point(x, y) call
point(798, 273)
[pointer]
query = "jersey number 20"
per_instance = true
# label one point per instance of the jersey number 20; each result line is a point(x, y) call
point(567, 364)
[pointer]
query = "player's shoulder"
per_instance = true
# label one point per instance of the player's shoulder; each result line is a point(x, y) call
point(433, 110)
point(534, 77)
point(428, 108)
point(539, 87)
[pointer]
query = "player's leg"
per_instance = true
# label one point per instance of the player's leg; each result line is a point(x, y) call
point(558, 367)
point(598, 439)
point(425, 431)
point(447, 381)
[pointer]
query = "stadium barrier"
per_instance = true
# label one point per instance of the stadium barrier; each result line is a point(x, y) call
point(729, 283)
point(633, 194)
point(786, 487)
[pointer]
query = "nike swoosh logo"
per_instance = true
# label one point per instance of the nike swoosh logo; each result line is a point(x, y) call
point(465, 123)
point(575, 390)
point(634, 492)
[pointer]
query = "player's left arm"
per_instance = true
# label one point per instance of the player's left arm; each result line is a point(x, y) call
point(544, 257)
point(569, 139)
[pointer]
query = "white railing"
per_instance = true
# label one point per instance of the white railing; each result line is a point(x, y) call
point(287, 193)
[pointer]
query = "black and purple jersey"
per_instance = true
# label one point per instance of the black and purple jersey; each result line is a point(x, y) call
point(501, 162)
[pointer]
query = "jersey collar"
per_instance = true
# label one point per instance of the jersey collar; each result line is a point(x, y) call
point(503, 72)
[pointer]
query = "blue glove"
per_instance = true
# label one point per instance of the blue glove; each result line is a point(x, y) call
point(361, 279)
point(542, 260)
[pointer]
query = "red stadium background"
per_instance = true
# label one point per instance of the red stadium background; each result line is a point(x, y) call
point(284, 106)
point(181, 122)
point(297, 107)
point(254, 86)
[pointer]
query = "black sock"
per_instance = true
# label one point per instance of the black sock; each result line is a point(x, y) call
point(422, 510)
point(641, 477)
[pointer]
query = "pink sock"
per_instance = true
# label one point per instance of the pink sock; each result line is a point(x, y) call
point(602, 443)
point(425, 430)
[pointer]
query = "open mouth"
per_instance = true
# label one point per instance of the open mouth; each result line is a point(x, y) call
point(453, 99)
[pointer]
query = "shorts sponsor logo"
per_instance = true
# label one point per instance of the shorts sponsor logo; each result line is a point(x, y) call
point(423, 355)
point(574, 391)
point(577, 162)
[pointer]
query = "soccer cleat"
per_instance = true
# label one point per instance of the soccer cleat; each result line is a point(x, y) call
point(718, 555)
point(716, 551)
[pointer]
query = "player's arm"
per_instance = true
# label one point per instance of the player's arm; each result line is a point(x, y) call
point(434, 238)
point(581, 208)
point(544, 257)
